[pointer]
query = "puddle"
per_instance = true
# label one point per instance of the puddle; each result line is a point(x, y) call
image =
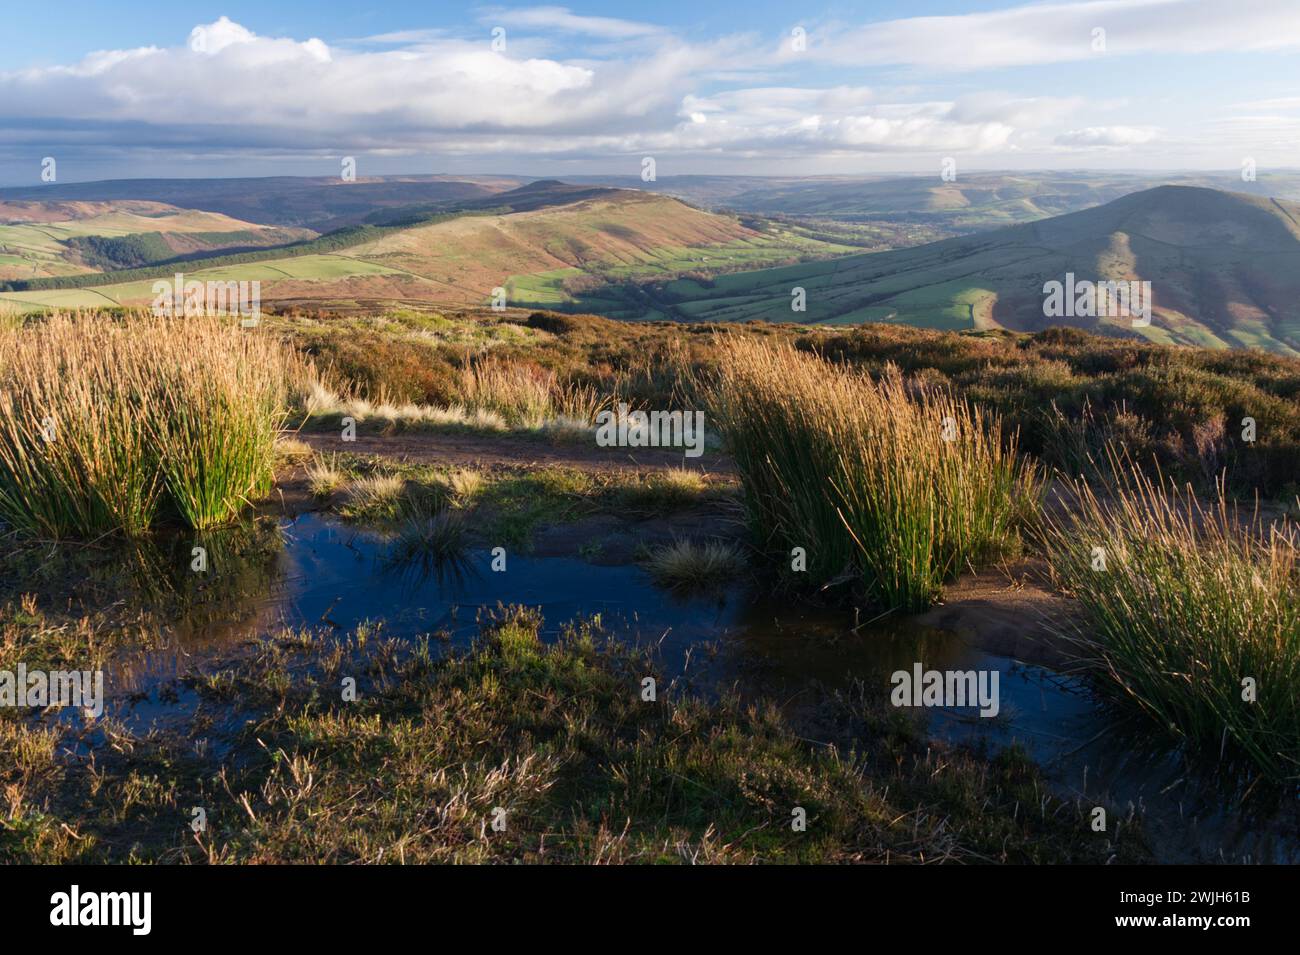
point(321, 573)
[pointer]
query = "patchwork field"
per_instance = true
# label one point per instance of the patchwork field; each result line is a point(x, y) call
point(567, 254)
point(44, 239)
point(287, 276)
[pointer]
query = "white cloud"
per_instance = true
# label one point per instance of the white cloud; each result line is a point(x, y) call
point(215, 37)
point(1108, 137)
point(837, 118)
point(229, 77)
point(562, 20)
point(1019, 111)
point(1280, 104)
point(1064, 32)
point(405, 37)
point(636, 88)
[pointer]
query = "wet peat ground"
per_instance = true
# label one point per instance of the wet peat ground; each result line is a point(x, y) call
point(335, 578)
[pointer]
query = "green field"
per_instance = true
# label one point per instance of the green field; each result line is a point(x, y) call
point(618, 289)
point(39, 249)
point(309, 268)
point(34, 251)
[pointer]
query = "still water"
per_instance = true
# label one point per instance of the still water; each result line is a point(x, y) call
point(321, 573)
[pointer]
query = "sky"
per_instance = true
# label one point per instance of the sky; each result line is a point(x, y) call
point(129, 89)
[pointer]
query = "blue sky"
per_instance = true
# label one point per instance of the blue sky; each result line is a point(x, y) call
point(284, 86)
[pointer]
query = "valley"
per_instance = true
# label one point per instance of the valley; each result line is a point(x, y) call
point(1224, 269)
point(1222, 266)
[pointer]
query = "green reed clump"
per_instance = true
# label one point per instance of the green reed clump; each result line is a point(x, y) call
point(109, 425)
point(1188, 608)
point(901, 487)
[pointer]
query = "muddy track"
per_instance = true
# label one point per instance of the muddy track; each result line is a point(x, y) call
point(509, 451)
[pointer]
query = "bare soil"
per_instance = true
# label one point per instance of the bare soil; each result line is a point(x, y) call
point(1010, 611)
point(514, 451)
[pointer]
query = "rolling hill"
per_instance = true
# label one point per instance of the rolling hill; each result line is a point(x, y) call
point(40, 239)
point(1223, 267)
point(554, 245)
point(1224, 270)
point(970, 203)
point(320, 204)
point(973, 202)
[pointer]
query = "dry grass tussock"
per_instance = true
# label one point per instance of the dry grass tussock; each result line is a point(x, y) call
point(903, 486)
point(110, 424)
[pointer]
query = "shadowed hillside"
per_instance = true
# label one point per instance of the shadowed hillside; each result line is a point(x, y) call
point(1224, 270)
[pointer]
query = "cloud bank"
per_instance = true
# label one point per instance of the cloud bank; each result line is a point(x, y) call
point(545, 83)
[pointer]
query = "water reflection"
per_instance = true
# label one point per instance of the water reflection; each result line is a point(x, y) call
point(317, 572)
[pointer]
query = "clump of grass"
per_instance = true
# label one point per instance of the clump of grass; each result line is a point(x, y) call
point(375, 497)
point(903, 486)
point(463, 486)
point(1183, 601)
point(387, 498)
point(322, 404)
point(529, 396)
point(515, 505)
point(664, 490)
point(519, 393)
point(489, 394)
point(575, 405)
point(293, 450)
point(563, 429)
point(324, 477)
point(677, 485)
point(685, 564)
point(437, 538)
point(108, 424)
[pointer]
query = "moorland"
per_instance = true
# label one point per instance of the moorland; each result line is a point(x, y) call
point(366, 588)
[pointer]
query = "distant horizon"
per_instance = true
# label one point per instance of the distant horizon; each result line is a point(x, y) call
point(535, 177)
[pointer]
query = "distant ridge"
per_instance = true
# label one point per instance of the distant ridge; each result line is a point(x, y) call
point(1224, 269)
point(322, 204)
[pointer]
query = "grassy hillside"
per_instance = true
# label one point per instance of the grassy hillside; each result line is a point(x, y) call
point(559, 246)
point(1223, 267)
point(557, 256)
point(49, 239)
